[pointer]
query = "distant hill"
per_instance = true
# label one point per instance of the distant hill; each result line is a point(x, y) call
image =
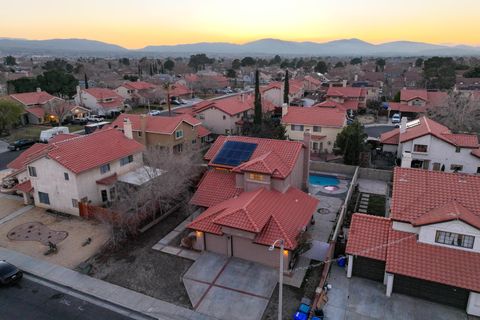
point(344, 47)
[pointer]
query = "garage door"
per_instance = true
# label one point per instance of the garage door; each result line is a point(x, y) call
point(368, 268)
point(432, 291)
point(246, 249)
point(217, 244)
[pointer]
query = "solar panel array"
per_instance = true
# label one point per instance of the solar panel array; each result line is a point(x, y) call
point(234, 153)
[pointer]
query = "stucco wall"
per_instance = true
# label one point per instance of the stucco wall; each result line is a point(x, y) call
point(329, 133)
point(332, 167)
point(473, 306)
point(168, 141)
point(217, 244)
point(376, 174)
point(213, 120)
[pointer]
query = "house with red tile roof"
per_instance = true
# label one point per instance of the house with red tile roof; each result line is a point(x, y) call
point(429, 245)
point(273, 92)
point(36, 105)
point(417, 101)
point(251, 195)
point(136, 92)
point(324, 124)
point(100, 101)
point(72, 169)
point(424, 143)
point(170, 133)
point(351, 97)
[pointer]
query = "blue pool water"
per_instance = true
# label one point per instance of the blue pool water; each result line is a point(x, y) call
point(321, 180)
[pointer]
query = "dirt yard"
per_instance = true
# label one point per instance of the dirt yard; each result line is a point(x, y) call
point(70, 251)
point(138, 267)
point(8, 206)
point(292, 296)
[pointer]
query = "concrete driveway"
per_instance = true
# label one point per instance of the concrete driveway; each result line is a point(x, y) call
point(229, 288)
point(376, 131)
point(359, 298)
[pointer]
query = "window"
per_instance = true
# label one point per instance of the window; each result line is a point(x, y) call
point(458, 149)
point(478, 170)
point(454, 239)
point(65, 176)
point(201, 116)
point(104, 196)
point(255, 176)
point(317, 129)
point(139, 133)
point(75, 203)
point(113, 193)
point(32, 172)
point(224, 117)
point(238, 115)
point(43, 197)
point(178, 148)
point(296, 127)
point(105, 168)
point(178, 134)
point(194, 141)
point(126, 160)
point(420, 148)
point(456, 167)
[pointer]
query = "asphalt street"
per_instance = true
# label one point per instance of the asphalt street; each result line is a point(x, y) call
point(30, 300)
point(8, 156)
point(378, 130)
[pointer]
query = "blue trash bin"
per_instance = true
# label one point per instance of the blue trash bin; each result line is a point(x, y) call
point(300, 316)
point(341, 261)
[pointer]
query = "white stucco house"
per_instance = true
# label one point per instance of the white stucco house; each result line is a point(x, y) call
point(424, 143)
point(100, 101)
point(76, 168)
point(429, 246)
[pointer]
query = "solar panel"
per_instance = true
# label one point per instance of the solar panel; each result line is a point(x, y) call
point(234, 153)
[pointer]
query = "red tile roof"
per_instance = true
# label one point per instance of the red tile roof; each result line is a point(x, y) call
point(102, 93)
point(476, 153)
point(454, 267)
point(410, 94)
point(38, 112)
point(294, 86)
point(417, 192)
point(267, 213)
point(32, 98)
point(26, 156)
point(403, 107)
point(287, 151)
point(108, 181)
point(156, 124)
point(269, 163)
point(347, 92)
point(138, 85)
point(390, 137)
point(373, 237)
point(230, 105)
point(216, 186)
point(367, 236)
point(62, 137)
point(324, 117)
point(180, 90)
point(448, 212)
point(202, 131)
point(330, 104)
point(25, 186)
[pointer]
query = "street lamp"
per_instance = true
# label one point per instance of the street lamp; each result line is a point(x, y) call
point(280, 275)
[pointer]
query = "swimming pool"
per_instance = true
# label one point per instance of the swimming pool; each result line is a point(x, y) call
point(323, 180)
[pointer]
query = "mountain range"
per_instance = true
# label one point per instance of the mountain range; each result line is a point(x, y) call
point(344, 47)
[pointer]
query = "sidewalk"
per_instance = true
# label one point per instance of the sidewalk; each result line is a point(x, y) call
point(99, 289)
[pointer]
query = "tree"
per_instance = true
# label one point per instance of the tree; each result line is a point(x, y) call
point(58, 83)
point(10, 113)
point(10, 61)
point(130, 77)
point(58, 108)
point(171, 178)
point(236, 64)
point(58, 65)
point(419, 63)
point(339, 64)
point(109, 65)
point(321, 67)
point(473, 73)
point(276, 60)
point(258, 100)
point(380, 63)
point(351, 142)
point(124, 61)
point(231, 74)
point(356, 61)
point(21, 85)
point(439, 73)
point(199, 61)
point(169, 65)
point(460, 112)
point(270, 128)
point(247, 62)
point(396, 98)
point(286, 88)
point(86, 80)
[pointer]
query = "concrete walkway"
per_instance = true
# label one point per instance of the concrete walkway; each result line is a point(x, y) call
point(15, 214)
point(101, 290)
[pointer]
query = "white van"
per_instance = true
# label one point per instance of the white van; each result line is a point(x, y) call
point(46, 135)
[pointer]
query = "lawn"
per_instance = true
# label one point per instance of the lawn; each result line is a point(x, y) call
point(26, 132)
point(376, 205)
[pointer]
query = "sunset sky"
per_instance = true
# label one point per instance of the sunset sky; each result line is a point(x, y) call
point(135, 24)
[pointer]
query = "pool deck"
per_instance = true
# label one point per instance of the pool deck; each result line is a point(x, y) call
point(317, 190)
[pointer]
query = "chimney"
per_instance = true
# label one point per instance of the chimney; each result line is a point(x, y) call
point(403, 125)
point(39, 90)
point(127, 128)
point(306, 158)
point(284, 109)
point(344, 83)
point(355, 77)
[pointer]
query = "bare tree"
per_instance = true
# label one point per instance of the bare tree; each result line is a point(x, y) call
point(170, 179)
point(59, 108)
point(460, 112)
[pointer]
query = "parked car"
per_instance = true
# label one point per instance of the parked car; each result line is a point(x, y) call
point(20, 144)
point(80, 121)
point(95, 118)
point(155, 113)
point(396, 118)
point(9, 273)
